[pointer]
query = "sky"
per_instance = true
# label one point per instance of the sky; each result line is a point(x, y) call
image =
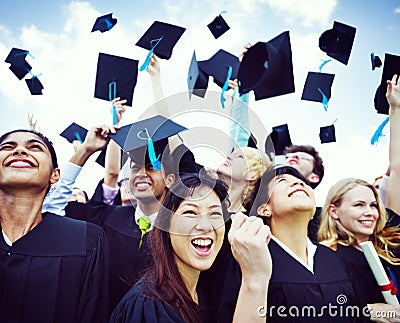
point(58, 34)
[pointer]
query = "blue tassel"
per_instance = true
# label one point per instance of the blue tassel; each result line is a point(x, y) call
point(378, 132)
point(324, 62)
point(108, 23)
point(112, 94)
point(147, 60)
point(150, 148)
point(324, 99)
point(25, 53)
point(222, 12)
point(78, 137)
point(225, 87)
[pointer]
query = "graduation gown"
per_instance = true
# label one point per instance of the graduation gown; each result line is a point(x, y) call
point(291, 284)
point(57, 272)
point(140, 305)
point(125, 258)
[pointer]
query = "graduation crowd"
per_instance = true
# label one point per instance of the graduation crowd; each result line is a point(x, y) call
point(178, 242)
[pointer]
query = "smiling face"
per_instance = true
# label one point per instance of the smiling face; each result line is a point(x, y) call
point(358, 212)
point(289, 195)
point(197, 230)
point(302, 161)
point(234, 167)
point(25, 161)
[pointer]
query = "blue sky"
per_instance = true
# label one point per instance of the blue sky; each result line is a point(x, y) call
point(58, 34)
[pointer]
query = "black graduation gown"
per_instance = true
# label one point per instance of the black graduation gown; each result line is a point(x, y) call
point(57, 272)
point(141, 305)
point(291, 284)
point(125, 258)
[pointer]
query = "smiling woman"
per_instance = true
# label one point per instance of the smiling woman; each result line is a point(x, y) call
point(55, 262)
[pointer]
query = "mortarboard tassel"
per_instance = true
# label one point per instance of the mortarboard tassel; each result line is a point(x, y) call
point(112, 95)
point(324, 62)
point(147, 60)
point(25, 53)
point(108, 23)
point(324, 99)
point(225, 87)
point(378, 132)
point(78, 137)
point(150, 148)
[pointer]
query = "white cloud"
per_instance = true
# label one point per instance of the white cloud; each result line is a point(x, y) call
point(306, 12)
point(397, 10)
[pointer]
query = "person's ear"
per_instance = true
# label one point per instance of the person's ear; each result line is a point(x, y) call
point(264, 211)
point(313, 178)
point(55, 176)
point(169, 180)
point(332, 211)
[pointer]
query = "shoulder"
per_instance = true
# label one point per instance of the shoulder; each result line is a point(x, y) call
point(140, 304)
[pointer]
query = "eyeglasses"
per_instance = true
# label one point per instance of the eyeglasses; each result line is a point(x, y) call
point(300, 155)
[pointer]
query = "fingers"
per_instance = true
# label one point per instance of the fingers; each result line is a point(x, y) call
point(233, 84)
point(117, 102)
point(247, 229)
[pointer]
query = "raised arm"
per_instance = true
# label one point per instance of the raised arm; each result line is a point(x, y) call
point(154, 70)
point(249, 239)
point(393, 97)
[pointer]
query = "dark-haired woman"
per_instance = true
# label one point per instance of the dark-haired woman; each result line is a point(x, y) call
point(52, 268)
point(189, 234)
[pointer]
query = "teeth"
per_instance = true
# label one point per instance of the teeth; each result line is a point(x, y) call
point(299, 193)
point(366, 221)
point(142, 185)
point(202, 242)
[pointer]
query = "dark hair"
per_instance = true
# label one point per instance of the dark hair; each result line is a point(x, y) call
point(83, 192)
point(45, 140)
point(318, 163)
point(168, 285)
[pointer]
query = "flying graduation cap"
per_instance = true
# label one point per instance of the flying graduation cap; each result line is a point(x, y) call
point(327, 134)
point(34, 85)
point(391, 66)
point(267, 68)
point(146, 140)
point(317, 88)
point(375, 61)
point(338, 41)
point(218, 26)
point(116, 76)
point(197, 80)
point(104, 23)
point(159, 39)
point(278, 140)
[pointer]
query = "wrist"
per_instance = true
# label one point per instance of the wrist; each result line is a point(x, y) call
point(81, 155)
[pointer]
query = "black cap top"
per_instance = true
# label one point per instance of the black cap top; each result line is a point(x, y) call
point(19, 66)
point(161, 37)
point(278, 140)
point(136, 135)
point(391, 66)
point(34, 85)
point(338, 41)
point(375, 61)
point(317, 86)
point(104, 23)
point(267, 68)
point(327, 134)
point(218, 26)
point(74, 132)
point(116, 77)
point(218, 66)
point(197, 80)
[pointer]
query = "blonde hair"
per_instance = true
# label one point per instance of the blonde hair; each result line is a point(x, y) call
point(257, 163)
point(331, 232)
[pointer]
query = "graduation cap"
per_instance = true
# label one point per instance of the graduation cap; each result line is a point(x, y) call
point(34, 85)
point(104, 23)
point(278, 140)
point(149, 135)
point(159, 39)
point(327, 134)
point(218, 66)
point(101, 158)
point(218, 26)
point(375, 61)
point(115, 77)
point(197, 80)
point(19, 66)
point(267, 68)
point(317, 87)
point(391, 66)
point(338, 41)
